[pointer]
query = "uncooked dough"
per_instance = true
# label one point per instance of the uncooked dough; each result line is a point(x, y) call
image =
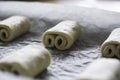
point(111, 46)
point(13, 27)
point(28, 61)
point(62, 36)
point(101, 69)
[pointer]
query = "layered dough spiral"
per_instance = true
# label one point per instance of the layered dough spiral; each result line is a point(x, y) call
point(28, 61)
point(62, 36)
point(111, 46)
point(101, 69)
point(13, 27)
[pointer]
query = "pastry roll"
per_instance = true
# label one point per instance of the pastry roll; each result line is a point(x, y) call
point(28, 61)
point(111, 46)
point(62, 36)
point(13, 27)
point(101, 69)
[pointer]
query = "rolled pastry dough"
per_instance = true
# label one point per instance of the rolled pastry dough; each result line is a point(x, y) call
point(111, 46)
point(28, 61)
point(62, 36)
point(13, 27)
point(102, 69)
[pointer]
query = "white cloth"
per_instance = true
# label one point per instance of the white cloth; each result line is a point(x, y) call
point(101, 69)
point(28, 61)
point(62, 36)
point(111, 46)
point(13, 27)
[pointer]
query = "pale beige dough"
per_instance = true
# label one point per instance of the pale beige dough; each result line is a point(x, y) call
point(62, 36)
point(13, 27)
point(101, 69)
point(111, 46)
point(28, 61)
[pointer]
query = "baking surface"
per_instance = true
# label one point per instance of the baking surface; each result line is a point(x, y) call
point(96, 25)
point(110, 5)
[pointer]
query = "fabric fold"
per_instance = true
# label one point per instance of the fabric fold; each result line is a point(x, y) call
point(110, 47)
point(13, 27)
point(28, 61)
point(62, 36)
point(101, 69)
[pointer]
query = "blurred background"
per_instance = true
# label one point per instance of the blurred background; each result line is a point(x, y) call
point(111, 5)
